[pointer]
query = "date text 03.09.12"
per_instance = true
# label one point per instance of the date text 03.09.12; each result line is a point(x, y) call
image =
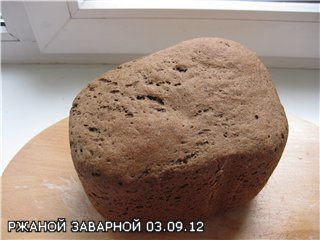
point(174, 226)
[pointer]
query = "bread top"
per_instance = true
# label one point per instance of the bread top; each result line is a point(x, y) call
point(181, 107)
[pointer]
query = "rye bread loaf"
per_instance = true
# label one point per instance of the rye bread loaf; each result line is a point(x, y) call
point(190, 130)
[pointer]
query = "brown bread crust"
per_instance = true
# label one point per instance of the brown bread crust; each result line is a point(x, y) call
point(188, 131)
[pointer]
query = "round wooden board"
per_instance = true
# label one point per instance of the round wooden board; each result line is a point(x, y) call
point(40, 183)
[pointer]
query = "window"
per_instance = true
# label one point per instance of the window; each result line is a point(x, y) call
point(278, 31)
point(5, 35)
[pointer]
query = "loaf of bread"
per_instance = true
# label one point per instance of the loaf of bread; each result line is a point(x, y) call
point(185, 132)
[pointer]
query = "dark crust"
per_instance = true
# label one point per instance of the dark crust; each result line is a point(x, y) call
point(192, 129)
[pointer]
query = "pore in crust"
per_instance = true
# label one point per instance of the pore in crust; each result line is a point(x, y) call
point(188, 131)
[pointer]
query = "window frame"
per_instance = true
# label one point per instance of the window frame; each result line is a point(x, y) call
point(58, 27)
point(194, 9)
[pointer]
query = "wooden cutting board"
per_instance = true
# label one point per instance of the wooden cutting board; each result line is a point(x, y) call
point(40, 183)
